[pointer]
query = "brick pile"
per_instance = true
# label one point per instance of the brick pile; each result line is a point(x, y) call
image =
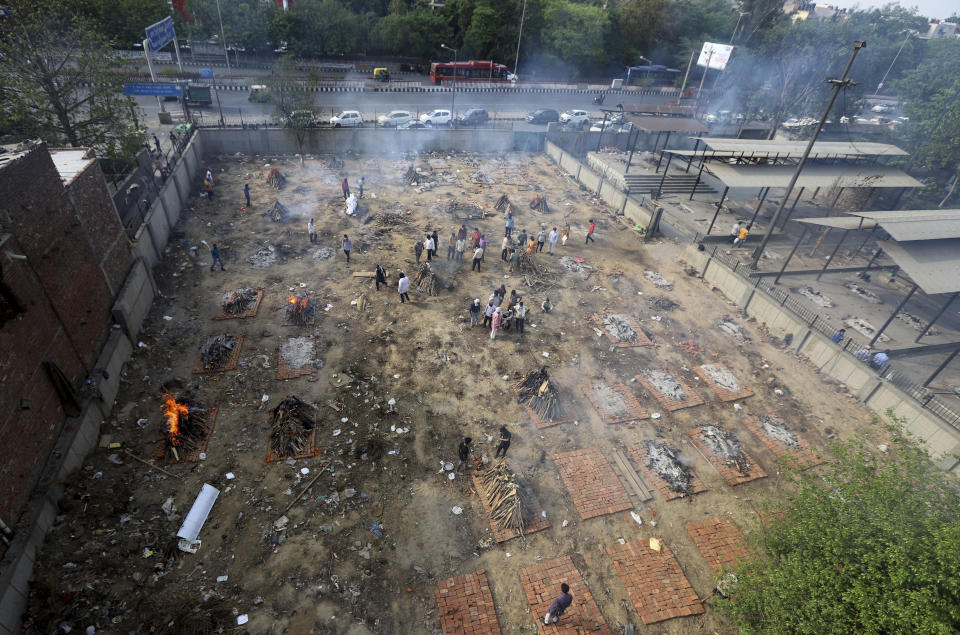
point(465, 605)
point(655, 582)
point(541, 584)
point(721, 543)
point(594, 487)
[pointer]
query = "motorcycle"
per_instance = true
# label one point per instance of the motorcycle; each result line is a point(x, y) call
point(599, 99)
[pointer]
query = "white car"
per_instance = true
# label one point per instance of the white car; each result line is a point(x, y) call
point(881, 108)
point(394, 118)
point(575, 118)
point(436, 118)
point(347, 119)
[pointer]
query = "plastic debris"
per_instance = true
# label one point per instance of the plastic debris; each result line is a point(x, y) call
point(457, 510)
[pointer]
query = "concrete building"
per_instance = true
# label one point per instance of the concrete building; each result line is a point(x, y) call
point(942, 29)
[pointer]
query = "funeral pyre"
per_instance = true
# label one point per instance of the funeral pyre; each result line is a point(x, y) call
point(663, 460)
point(239, 301)
point(186, 428)
point(275, 179)
point(540, 394)
point(426, 280)
point(300, 311)
point(503, 496)
point(726, 446)
point(539, 204)
point(217, 350)
point(291, 423)
point(618, 326)
point(503, 204)
point(278, 213)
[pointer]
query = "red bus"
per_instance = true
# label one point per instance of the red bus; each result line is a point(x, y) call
point(468, 71)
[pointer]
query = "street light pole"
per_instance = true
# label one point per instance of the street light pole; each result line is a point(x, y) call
point(453, 96)
point(739, 17)
point(516, 62)
point(843, 82)
point(223, 38)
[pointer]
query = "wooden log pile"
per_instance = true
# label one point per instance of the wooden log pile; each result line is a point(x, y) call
point(291, 423)
point(217, 349)
point(278, 213)
point(539, 204)
point(239, 301)
point(503, 496)
point(537, 392)
point(390, 219)
point(275, 179)
point(412, 177)
point(186, 427)
point(502, 204)
point(426, 280)
point(300, 311)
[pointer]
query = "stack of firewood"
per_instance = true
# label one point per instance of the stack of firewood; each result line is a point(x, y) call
point(540, 394)
point(275, 179)
point(539, 204)
point(278, 213)
point(503, 496)
point(291, 424)
point(239, 301)
point(217, 349)
point(502, 204)
point(426, 280)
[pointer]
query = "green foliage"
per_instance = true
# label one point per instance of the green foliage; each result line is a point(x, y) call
point(867, 543)
point(56, 78)
point(122, 22)
point(418, 33)
point(578, 34)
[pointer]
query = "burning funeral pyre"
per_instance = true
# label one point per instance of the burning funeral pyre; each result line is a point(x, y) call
point(290, 426)
point(300, 311)
point(663, 460)
point(540, 394)
point(539, 204)
point(426, 280)
point(186, 428)
point(239, 301)
point(618, 326)
point(217, 349)
point(503, 496)
point(726, 446)
point(278, 213)
point(275, 179)
point(503, 204)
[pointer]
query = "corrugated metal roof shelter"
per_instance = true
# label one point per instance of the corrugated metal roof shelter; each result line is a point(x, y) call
point(786, 149)
point(759, 176)
point(917, 224)
point(839, 222)
point(934, 265)
point(649, 123)
point(654, 109)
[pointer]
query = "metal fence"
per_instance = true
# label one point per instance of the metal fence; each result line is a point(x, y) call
point(858, 349)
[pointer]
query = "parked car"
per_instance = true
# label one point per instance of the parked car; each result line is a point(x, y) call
point(543, 115)
point(394, 118)
point(473, 117)
point(413, 125)
point(575, 118)
point(347, 119)
point(436, 118)
point(882, 108)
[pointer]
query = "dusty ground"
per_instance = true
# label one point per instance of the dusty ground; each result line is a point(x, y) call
point(112, 560)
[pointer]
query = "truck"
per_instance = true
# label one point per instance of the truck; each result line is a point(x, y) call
point(197, 95)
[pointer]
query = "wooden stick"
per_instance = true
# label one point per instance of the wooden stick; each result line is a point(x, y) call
point(147, 463)
point(304, 491)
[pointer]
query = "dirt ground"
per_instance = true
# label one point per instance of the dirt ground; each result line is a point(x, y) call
point(112, 561)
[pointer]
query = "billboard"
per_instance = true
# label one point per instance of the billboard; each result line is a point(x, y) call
point(160, 34)
point(158, 90)
point(717, 55)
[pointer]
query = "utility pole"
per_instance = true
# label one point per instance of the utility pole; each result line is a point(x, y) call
point(223, 38)
point(702, 79)
point(516, 62)
point(453, 95)
point(686, 75)
point(838, 84)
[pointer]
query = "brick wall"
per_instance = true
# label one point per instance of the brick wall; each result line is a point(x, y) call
point(76, 260)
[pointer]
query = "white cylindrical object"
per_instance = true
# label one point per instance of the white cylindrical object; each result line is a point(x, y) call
point(199, 512)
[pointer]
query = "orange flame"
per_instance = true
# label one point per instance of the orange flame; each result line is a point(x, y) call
point(299, 304)
point(173, 410)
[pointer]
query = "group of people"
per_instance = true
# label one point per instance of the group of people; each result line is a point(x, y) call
point(739, 233)
point(877, 360)
point(498, 317)
point(345, 187)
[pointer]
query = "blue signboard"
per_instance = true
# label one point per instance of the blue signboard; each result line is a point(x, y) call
point(160, 34)
point(158, 90)
point(206, 72)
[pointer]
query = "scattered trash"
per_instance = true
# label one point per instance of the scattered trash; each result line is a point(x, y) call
point(636, 518)
point(230, 476)
point(565, 523)
point(197, 515)
point(243, 619)
point(281, 523)
point(375, 528)
point(457, 510)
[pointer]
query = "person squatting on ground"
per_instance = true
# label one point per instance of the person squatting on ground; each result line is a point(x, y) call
point(504, 444)
point(403, 286)
point(346, 245)
point(560, 604)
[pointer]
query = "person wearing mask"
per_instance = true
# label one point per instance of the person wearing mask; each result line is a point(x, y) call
point(475, 312)
point(541, 239)
point(461, 246)
point(477, 259)
point(552, 238)
point(488, 314)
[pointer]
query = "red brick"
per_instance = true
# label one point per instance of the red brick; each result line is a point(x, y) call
point(670, 405)
point(541, 584)
point(654, 581)
point(805, 456)
point(465, 605)
point(720, 542)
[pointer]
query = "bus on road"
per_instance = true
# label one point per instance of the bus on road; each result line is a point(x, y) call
point(653, 75)
point(471, 71)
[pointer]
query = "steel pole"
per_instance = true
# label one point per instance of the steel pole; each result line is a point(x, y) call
point(940, 368)
point(223, 37)
point(894, 314)
point(516, 62)
point(786, 262)
point(837, 85)
point(937, 316)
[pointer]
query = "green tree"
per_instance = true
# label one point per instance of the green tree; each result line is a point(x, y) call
point(864, 544)
point(578, 34)
point(418, 33)
point(122, 22)
point(59, 83)
point(642, 23)
point(293, 101)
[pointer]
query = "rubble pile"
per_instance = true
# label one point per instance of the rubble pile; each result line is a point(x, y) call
point(263, 258)
point(663, 460)
point(816, 297)
point(661, 303)
point(657, 279)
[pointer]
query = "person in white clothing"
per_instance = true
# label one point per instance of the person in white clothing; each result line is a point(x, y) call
point(461, 246)
point(477, 258)
point(403, 286)
point(312, 231)
point(504, 247)
point(552, 239)
point(734, 231)
point(430, 246)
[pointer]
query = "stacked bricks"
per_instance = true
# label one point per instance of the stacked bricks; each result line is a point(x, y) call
point(720, 542)
point(541, 584)
point(592, 483)
point(804, 456)
point(720, 391)
point(729, 472)
point(534, 520)
point(465, 605)
point(638, 452)
point(655, 582)
point(634, 410)
point(669, 404)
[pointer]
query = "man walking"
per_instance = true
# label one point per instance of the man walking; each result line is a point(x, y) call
point(461, 246)
point(509, 225)
point(346, 246)
point(360, 187)
point(215, 254)
point(560, 604)
point(381, 277)
point(521, 312)
point(463, 452)
point(345, 186)
point(312, 231)
point(488, 314)
point(504, 444)
point(477, 258)
point(246, 193)
point(590, 232)
point(541, 238)
point(403, 286)
point(429, 245)
point(552, 241)
point(475, 313)
point(156, 143)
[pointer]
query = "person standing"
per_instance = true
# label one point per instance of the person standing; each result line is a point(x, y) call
point(504, 444)
point(346, 246)
point(565, 234)
point(209, 176)
point(463, 453)
point(508, 225)
point(734, 232)
point(461, 246)
point(215, 255)
point(488, 314)
point(541, 238)
point(462, 233)
point(515, 260)
point(436, 243)
point(156, 143)
point(311, 230)
point(475, 313)
point(504, 246)
point(418, 250)
point(403, 286)
point(345, 186)
point(523, 238)
point(208, 186)
point(552, 241)
point(477, 259)
point(381, 277)
point(246, 193)
point(560, 604)
point(521, 312)
point(452, 247)
point(495, 323)
point(590, 232)
point(360, 187)
point(475, 237)
point(429, 245)
point(483, 243)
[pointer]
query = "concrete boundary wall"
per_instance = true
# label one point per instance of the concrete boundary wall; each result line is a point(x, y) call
point(940, 438)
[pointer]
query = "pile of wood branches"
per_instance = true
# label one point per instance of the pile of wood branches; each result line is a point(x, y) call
point(278, 213)
point(275, 179)
point(390, 218)
point(426, 280)
point(290, 426)
point(503, 496)
point(539, 204)
point(412, 177)
point(540, 394)
point(216, 350)
point(502, 204)
point(239, 301)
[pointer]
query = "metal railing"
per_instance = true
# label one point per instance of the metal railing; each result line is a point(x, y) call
point(814, 321)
